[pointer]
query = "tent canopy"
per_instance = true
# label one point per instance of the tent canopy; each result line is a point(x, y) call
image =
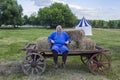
point(84, 24)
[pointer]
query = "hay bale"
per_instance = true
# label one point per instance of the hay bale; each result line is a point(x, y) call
point(72, 45)
point(75, 34)
point(87, 44)
point(84, 44)
point(42, 43)
point(79, 44)
point(75, 45)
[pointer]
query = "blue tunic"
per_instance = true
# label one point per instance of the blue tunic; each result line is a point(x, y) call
point(59, 39)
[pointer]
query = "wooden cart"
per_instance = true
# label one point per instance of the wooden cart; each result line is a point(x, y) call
point(34, 61)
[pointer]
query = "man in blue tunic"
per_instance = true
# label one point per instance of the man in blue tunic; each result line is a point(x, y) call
point(59, 40)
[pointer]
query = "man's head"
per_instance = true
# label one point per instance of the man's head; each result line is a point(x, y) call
point(59, 28)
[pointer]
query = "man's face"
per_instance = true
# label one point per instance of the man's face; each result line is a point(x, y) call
point(59, 29)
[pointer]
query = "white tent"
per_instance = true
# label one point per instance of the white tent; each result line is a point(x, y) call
point(83, 24)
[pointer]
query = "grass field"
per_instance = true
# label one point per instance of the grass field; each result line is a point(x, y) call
point(11, 40)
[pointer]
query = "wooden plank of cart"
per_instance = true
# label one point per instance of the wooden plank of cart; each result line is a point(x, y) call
point(34, 61)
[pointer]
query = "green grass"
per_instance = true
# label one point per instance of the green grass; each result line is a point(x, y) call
point(108, 38)
point(12, 40)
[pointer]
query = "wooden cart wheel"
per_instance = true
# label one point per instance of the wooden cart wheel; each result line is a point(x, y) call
point(33, 64)
point(84, 59)
point(99, 64)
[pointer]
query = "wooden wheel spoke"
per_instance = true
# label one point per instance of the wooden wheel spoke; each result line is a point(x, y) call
point(28, 69)
point(32, 72)
point(38, 60)
point(40, 68)
point(100, 70)
point(106, 67)
point(103, 68)
point(40, 63)
point(94, 68)
point(37, 71)
point(94, 61)
point(28, 61)
point(27, 65)
point(92, 64)
point(105, 63)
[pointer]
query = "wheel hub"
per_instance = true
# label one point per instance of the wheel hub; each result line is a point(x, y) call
point(33, 64)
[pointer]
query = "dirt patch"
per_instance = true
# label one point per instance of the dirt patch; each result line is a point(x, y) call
point(11, 68)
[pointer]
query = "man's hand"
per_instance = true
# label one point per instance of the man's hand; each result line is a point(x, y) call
point(67, 42)
point(52, 41)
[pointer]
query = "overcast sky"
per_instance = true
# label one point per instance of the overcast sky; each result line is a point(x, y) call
point(90, 9)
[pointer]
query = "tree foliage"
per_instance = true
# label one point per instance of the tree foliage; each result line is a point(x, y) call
point(111, 24)
point(10, 12)
point(56, 14)
point(105, 24)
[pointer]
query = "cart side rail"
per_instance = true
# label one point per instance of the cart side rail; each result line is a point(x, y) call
point(32, 47)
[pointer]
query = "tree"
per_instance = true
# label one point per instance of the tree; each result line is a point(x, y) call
point(32, 19)
point(11, 12)
point(1, 12)
point(118, 25)
point(56, 14)
point(111, 24)
point(26, 19)
point(51, 17)
point(69, 18)
point(43, 15)
point(93, 23)
point(100, 23)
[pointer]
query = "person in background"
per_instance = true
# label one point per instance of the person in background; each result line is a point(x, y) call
point(59, 41)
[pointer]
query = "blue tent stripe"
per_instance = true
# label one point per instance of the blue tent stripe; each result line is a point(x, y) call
point(85, 23)
point(81, 23)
